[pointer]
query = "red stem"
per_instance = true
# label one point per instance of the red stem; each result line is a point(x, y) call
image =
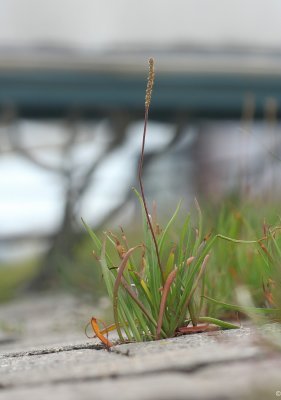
point(142, 192)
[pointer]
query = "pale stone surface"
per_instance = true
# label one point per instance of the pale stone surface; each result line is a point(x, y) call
point(45, 320)
point(64, 364)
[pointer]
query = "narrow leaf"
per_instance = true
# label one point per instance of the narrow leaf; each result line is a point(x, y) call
point(117, 284)
point(136, 300)
point(218, 322)
point(165, 293)
point(163, 237)
point(199, 276)
point(245, 310)
point(98, 333)
point(195, 329)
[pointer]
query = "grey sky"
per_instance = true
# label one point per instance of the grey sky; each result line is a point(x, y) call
point(101, 23)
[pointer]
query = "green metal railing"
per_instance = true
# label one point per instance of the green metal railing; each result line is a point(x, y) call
point(44, 93)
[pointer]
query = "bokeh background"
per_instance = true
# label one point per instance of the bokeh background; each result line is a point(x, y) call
point(72, 85)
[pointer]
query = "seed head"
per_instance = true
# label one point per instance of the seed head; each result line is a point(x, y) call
point(150, 82)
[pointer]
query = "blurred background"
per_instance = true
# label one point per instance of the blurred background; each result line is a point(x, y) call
point(72, 85)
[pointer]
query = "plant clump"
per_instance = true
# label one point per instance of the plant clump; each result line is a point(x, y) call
point(157, 287)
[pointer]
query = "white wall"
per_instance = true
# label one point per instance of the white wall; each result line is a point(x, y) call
point(99, 23)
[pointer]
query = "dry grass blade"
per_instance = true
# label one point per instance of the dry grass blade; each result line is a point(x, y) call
point(98, 333)
point(185, 330)
point(166, 289)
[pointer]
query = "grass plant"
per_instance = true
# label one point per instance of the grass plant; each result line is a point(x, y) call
point(159, 289)
point(152, 301)
point(256, 267)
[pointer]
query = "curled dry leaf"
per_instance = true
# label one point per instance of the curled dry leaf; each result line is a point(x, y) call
point(98, 333)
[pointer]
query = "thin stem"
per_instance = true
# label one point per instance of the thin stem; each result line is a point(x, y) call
point(142, 192)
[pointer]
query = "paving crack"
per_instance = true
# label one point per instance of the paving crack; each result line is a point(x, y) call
point(119, 352)
point(52, 350)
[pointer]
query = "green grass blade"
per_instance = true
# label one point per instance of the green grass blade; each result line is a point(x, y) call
point(245, 310)
point(116, 287)
point(94, 237)
point(137, 301)
point(164, 234)
point(200, 225)
point(183, 240)
point(238, 241)
point(192, 291)
point(218, 322)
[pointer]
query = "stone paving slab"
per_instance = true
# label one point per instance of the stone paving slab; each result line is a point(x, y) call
point(100, 364)
point(45, 320)
point(64, 364)
point(249, 382)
